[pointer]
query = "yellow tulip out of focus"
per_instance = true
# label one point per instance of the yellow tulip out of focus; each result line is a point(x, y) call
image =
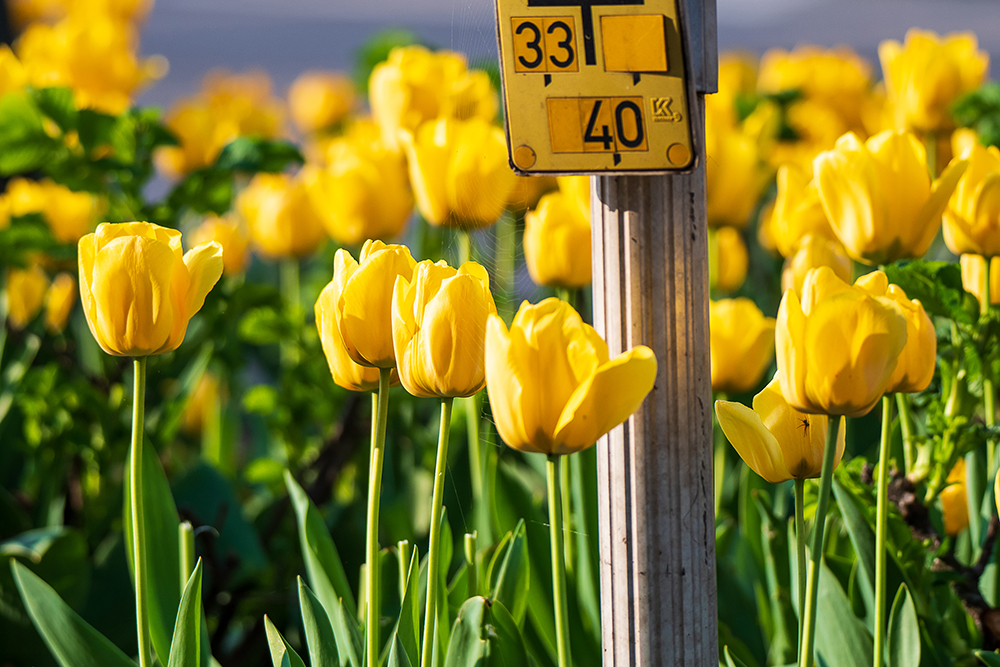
point(280, 216)
point(972, 276)
point(553, 388)
point(915, 367)
point(728, 259)
point(736, 174)
point(363, 307)
point(13, 76)
point(69, 214)
point(813, 252)
point(972, 218)
point(741, 342)
point(557, 243)
point(955, 502)
point(927, 73)
point(836, 346)
point(24, 12)
point(439, 329)
point(25, 294)
point(138, 290)
point(200, 404)
point(459, 172)
point(363, 191)
point(777, 441)
point(879, 198)
point(414, 86)
point(320, 100)
point(59, 302)
point(797, 211)
point(229, 234)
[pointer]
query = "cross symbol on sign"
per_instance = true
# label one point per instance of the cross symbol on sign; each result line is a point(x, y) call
point(587, 18)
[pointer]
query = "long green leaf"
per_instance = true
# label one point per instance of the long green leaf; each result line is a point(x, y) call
point(397, 654)
point(731, 660)
point(777, 578)
point(408, 627)
point(350, 643)
point(485, 634)
point(185, 647)
point(73, 641)
point(863, 541)
point(319, 632)
point(988, 659)
point(844, 640)
point(509, 574)
point(282, 655)
point(904, 631)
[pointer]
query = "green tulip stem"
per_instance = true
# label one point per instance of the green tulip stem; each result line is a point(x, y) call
point(372, 644)
point(882, 513)
point(403, 548)
point(464, 246)
point(989, 394)
point(434, 545)
point(553, 475)
point(930, 141)
point(288, 279)
point(816, 553)
point(138, 521)
point(906, 427)
point(800, 544)
point(472, 576)
point(185, 536)
point(567, 514)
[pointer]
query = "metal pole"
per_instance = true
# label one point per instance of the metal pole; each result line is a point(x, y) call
point(655, 480)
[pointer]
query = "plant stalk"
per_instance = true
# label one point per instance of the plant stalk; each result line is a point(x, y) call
point(906, 428)
point(372, 611)
point(185, 534)
point(553, 476)
point(800, 549)
point(138, 520)
point(434, 547)
point(288, 279)
point(989, 392)
point(882, 511)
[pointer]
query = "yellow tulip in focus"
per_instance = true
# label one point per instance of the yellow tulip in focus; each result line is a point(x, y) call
point(813, 252)
point(69, 214)
point(955, 502)
point(363, 310)
point(439, 329)
point(553, 388)
point(557, 243)
point(879, 198)
point(915, 368)
point(318, 100)
point(972, 219)
point(798, 211)
point(729, 259)
point(59, 302)
point(972, 276)
point(836, 346)
point(741, 342)
point(280, 216)
point(777, 441)
point(229, 234)
point(459, 171)
point(25, 294)
point(138, 290)
point(927, 73)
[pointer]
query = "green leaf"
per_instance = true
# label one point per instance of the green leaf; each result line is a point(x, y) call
point(73, 641)
point(778, 579)
point(323, 566)
point(254, 154)
point(509, 573)
point(282, 655)
point(162, 547)
point(24, 144)
point(863, 541)
point(408, 625)
point(989, 659)
point(731, 660)
point(938, 286)
point(980, 110)
point(185, 647)
point(350, 643)
point(844, 640)
point(904, 631)
point(485, 634)
point(397, 654)
point(95, 129)
point(318, 630)
point(57, 103)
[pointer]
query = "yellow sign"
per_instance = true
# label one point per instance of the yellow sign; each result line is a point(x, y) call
point(594, 86)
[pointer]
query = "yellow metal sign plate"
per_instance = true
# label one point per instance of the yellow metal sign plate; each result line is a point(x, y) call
point(594, 86)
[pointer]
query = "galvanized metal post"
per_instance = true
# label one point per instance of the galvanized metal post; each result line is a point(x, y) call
point(657, 523)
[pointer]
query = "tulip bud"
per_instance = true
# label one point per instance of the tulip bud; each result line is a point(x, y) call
point(59, 302)
point(319, 100)
point(553, 388)
point(972, 219)
point(813, 252)
point(557, 243)
point(25, 294)
point(229, 234)
point(138, 290)
point(280, 216)
point(972, 276)
point(742, 344)
point(729, 259)
point(954, 501)
point(777, 441)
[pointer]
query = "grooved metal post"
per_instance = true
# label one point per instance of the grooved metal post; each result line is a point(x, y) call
point(656, 512)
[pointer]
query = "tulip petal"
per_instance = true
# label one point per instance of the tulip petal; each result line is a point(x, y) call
point(752, 441)
point(204, 265)
point(789, 331)
point(929, 216)
point(505, 388)
point(846, 178)
point(427, 156)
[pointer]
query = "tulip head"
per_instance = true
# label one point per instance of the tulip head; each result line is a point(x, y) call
point(736, 174)
point(837, 346)
point(25, 294)
point(69, 214)
point(59, 302)
point(954, 501)
point(557, 243)
point(813, 252)
point(798, 211)
point(138, 289)
point(439, 329)
point(741, 342)
point(972, 276)
point(552, 387)
point(280, 216)
point(777, 441)
point(728, 259)
point(318, 100)
point(229, 234)
point(972, 219)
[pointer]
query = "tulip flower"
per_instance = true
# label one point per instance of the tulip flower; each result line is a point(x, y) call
point(12, 75)
point(972, 218)
point(729, 258)
point(735, 172)
point(813, 252)
point(25, 294)
point(200, 404)
point(954, 501)
point(528, 190)
point(69, 214)
point(972, 276)
point(280, 216)
point(459, 171)
point(319, 100)
point(836, 346)
point(229, 234)
point(797, 211)
point(927, 73)
point(741, 342)
point(137, 288)
point(879, 198)
point(557, 243)
point(59, 302)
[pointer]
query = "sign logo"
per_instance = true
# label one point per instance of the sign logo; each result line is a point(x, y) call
point(662, 113)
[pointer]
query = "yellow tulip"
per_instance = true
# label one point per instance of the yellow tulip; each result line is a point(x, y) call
point(813, 252)
point(59, 302)
point(202, 400)
point(439, 329)
point(737, 76)
point(363, 310)
point(25, 294)
point(557, 243)
point(955, 502)
point(577, 191)
point(12, 74)
point(915, 367)
point(972, 218)
point(777, 441)
point(553, 388)
point(798, 211)
point(528, 190)
point(280, 216)
point(460, 172)
point(729, 259)
point(927, 73)
point(972, 276)
point(229, 234)
point(741, 344)
point(138, 290)
point(318, 100)
point(25, 12)
point(735, 173)
point(837, 346)
point(69, 214)
point(879, 198)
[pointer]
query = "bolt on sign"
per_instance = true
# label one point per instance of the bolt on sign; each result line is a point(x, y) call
point(594, 86)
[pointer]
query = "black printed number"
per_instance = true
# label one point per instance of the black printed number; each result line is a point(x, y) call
point(534, 44)
point(605, 137)
point(620, 109)
point(566, 44)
